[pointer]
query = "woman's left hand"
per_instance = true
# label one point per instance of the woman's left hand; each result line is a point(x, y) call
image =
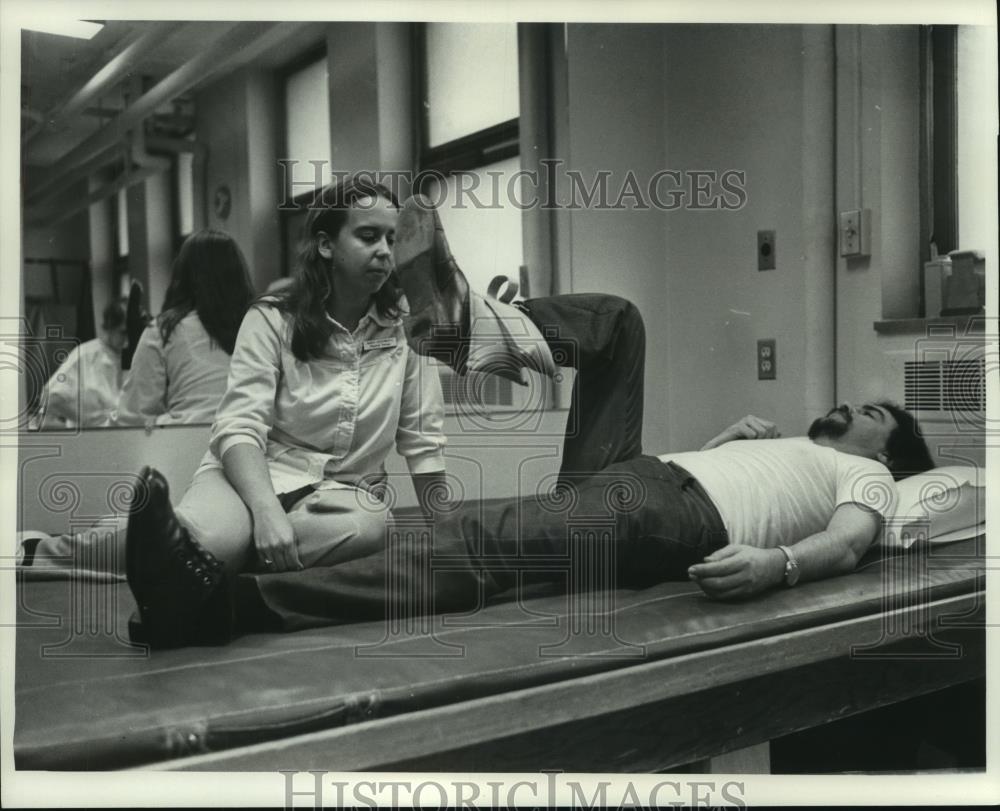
point(274, 538)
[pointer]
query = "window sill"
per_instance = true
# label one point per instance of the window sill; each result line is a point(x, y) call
point(961, 324)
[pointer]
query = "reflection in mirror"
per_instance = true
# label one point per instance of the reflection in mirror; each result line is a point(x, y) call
point(89, 181)
point(115, 177)
point(167, 370)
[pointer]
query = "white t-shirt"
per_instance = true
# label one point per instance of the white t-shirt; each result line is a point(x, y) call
point(772, 492)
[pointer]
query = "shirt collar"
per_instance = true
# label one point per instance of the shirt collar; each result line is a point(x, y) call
point(378, 318)
point(372, 315)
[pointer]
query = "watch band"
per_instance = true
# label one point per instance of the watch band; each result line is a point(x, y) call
point(791, 567)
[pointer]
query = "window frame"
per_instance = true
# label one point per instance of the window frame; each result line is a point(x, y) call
point(939, 138)
point(480, 148)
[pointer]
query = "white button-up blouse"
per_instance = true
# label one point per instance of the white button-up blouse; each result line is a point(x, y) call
point(181, 381)
point(330, 421)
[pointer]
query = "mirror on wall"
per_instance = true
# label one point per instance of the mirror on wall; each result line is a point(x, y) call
point(120, 164)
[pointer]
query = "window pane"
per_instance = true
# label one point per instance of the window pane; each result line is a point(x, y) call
point(471, 78)
point(307, 125)
point(122, 222)
point(486, 241)
point(185, 192)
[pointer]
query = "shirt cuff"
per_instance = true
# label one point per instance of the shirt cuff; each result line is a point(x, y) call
point(233, 441)
point(429, 462)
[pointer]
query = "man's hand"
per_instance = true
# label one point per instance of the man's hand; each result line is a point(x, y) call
point(737, 571)
point(750, 427)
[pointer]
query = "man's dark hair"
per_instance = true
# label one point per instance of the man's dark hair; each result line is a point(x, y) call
point(906, 448)
point(113, 316)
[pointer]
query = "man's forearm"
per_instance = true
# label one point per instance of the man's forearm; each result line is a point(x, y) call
point(738, 570)
point(838, 548)
point(819, 556)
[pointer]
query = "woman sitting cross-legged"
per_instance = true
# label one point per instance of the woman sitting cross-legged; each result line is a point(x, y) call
point(322, 385)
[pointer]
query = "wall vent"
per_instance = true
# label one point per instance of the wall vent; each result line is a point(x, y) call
point(477, 391)
point(945, 385)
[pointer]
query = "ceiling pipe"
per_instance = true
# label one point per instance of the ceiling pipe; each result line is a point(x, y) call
point(137, 48)
point(147, 165)
point(95, 164)
point(193, 72)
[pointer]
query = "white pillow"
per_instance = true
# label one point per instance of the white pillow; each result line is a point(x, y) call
point(942, 505)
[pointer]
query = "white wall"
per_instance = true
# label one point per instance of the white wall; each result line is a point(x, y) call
point(235, 120)
point(615, 124)
point(735, 101)
point(646, 98)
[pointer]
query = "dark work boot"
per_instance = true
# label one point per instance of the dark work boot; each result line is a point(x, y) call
point(182, 591)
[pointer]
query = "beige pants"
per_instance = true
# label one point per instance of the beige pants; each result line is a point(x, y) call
point(352, 524)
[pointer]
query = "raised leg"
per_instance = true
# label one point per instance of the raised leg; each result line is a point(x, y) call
point(604, 339)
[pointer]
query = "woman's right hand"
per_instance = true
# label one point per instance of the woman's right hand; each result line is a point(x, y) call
point(274, 538)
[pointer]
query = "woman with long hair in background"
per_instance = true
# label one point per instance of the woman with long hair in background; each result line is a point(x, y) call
point(181, 362)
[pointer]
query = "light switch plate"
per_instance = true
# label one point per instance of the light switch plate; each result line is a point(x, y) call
point(766, 248)
point(855, 232)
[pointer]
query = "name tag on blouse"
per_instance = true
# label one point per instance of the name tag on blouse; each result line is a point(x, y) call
point(378, 343)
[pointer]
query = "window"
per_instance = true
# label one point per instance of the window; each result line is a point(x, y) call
point(469, 152)
point(121, 277)
point(184, 168)
point(469, 160)
point(306, 141)
point(307, 126)
point(471, 72)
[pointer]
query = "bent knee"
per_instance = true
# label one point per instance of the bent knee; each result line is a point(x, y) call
point(328, 539)
point(630, 316)
point(369, 529)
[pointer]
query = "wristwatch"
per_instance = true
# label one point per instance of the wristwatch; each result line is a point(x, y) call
point(791, 567)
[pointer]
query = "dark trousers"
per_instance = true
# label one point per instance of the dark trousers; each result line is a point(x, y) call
point(616, 519)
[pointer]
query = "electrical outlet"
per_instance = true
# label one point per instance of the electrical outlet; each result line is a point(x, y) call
point(855, 232)
point(765, 250)
point(767, 368)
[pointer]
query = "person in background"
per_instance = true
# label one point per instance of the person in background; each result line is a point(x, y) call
point(84, 390)
point(181, 361)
